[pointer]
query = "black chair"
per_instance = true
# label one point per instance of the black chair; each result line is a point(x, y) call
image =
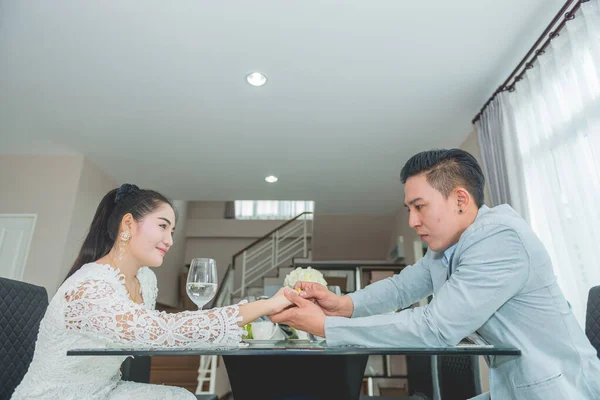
point(136, 369)
point(420, 376)
point(22, 307)
point(458, 377)
point(592, 318)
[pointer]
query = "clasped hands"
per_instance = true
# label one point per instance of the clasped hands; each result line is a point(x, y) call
point(310, 306)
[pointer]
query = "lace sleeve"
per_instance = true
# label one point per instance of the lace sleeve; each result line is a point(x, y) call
point(95, 306)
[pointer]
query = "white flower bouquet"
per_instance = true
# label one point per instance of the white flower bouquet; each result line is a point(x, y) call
point(307, 275)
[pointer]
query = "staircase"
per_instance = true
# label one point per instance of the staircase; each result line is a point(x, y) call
point(256, 270)
point(252, 268)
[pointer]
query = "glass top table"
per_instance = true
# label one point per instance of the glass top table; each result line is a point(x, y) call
point(298, 369)
point(298, 348)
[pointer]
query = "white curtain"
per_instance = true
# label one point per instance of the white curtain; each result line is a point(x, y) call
point(492, 152)
point(500, 157)
point(554, 125)
point(271, 209)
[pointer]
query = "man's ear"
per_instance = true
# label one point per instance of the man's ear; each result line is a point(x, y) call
point(463, 199)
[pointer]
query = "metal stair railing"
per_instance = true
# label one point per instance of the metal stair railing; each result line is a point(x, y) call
point(272, 250)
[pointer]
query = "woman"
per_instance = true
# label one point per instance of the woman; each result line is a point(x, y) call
point(109, 297)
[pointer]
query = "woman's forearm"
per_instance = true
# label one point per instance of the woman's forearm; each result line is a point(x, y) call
point(250, 311)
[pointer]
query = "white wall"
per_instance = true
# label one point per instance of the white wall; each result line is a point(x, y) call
point(46, 186)
point(351, 237)
point(92, 185)
point(206, 210)
point(64, 192)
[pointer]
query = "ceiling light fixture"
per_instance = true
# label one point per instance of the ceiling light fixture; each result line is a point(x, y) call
point(256, 79)
point(271, 179)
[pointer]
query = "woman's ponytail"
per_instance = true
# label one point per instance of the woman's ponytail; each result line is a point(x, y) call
point(98, 241)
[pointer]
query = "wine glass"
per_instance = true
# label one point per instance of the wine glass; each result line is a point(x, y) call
point(201, 284)
point(335, 289)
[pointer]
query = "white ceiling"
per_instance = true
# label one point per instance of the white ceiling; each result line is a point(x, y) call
point(153, 91)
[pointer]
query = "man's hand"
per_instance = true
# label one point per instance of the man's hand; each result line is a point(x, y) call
point(306, 316)
point(332, 305)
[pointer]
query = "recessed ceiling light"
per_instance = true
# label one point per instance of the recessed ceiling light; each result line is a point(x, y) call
point(271, 179)
point(256, 79)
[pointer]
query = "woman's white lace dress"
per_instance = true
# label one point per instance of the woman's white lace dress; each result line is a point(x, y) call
point(92, 309)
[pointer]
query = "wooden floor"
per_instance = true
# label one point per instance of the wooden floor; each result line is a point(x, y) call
point(175, 371)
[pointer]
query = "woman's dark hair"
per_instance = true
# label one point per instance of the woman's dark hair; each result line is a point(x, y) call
point(105, 226)
point(445, 170)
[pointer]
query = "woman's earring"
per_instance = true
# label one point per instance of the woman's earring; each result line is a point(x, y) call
point(460, 211)
point(124, 236)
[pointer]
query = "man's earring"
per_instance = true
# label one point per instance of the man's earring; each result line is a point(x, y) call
point(124, 236)
point(460, 211)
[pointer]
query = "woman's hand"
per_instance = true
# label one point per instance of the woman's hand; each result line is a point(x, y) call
point(279, 302)
point(276, 304)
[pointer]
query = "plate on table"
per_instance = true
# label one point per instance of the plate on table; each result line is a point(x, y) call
point(260, 342)
point(304, 342)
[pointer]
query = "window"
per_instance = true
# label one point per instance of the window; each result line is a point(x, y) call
point(272, 209)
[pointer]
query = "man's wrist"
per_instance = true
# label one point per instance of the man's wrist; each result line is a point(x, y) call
point(347, 306)
point(322, 327)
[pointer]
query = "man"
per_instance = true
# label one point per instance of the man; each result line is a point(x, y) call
point(490, 274)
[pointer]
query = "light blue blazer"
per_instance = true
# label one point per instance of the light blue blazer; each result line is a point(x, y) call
point(501, 286)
